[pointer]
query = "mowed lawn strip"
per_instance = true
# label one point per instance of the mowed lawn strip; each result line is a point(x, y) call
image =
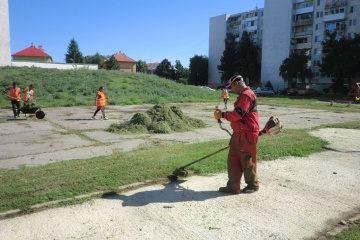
point(22, 188)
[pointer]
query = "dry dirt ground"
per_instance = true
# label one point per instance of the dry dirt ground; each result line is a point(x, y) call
point(299, 198)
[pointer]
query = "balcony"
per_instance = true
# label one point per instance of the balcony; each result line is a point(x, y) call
point(238, 22)
point(248, 19)
point(251, 28)
point(305, 33)
point(302, 45)
point(304, 10)
point(334, 17)
point(336, 4)
point(304, 22)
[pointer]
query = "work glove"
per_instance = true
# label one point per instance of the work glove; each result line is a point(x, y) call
point(218, 114)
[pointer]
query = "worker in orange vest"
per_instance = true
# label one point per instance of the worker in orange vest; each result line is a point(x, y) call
point(14, 97)
point(100, 103)
point(225, 96)
point(28, 93)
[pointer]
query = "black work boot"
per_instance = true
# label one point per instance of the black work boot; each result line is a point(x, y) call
point(250, 189)
point(228, 190)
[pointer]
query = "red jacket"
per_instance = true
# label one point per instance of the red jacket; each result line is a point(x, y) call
point(245, 117)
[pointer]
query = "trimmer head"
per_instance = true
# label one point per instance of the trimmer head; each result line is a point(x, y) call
point(172, 178)
point(179, 172)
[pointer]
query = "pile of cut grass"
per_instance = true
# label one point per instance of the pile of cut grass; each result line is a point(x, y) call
point(159, 119)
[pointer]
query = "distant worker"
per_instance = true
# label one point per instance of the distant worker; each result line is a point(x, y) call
point(225, 96)
point(14, 97)
point(100, 103)
point(28, 93)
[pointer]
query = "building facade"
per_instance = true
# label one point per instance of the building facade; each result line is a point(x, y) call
point(236, 24)
point(283, 27)
point(5, 54)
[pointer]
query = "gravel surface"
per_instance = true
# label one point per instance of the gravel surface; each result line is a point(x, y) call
point(299, 198)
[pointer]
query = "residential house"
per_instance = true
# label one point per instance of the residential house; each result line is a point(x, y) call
point(126, 64)
point(32, 54)
point(151, 67)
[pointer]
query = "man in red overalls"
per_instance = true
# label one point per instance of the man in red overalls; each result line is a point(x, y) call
point(242, 157)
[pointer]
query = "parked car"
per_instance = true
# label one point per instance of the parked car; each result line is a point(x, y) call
point(264, 92)
point(292, 92)
point(309, 92)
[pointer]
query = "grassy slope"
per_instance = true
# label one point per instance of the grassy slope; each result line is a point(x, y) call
point(77, 87)
point(58, 88)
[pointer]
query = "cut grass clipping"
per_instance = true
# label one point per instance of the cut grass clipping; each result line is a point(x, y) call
point(159, 119)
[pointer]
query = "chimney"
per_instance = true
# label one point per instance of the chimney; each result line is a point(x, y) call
point(41, 48)
point(32, 44)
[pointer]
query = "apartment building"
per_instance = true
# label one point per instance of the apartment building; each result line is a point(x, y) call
point(236, 24)
point(5, 55)
point(283, 27)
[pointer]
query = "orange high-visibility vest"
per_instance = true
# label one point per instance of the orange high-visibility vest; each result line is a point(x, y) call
point(14, 94)
point(26, 91)
point(225, 94)
point(100, 99)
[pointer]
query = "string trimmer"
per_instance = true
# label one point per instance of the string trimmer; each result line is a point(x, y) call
point(273, 126)
point(181, 172)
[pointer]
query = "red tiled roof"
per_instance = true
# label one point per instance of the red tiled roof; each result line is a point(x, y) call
point(32, 51)
point(123, 58)
point(152, 66)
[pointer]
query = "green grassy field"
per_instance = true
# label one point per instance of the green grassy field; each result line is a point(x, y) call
point(55, 88)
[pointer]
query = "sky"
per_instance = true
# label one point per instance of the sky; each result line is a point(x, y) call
point(147, 30)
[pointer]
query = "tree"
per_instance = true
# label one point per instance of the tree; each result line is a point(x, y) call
point(95, 59)
point(229, 60)
point(240, 58)
point(295, 67)
point(164, 69)
point(73, 54)
point(112, 64)
point(198, 70)
point(141, 66)
point(181, 72)
point(269, 85)
point(340, 59)
point(248, 59)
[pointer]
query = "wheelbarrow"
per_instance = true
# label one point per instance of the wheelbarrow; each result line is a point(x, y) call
point(31, 108)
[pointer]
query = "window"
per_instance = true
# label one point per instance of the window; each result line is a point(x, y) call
point(316, 63)
point(353, 9)
point(301, 40)
point(317, 51)
point(352, 22)
point(316, 75)
point(318, 39)
point(319, 26)
point(320, 2)
point(351, 35)
point(319, 14)
point(250, 24)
